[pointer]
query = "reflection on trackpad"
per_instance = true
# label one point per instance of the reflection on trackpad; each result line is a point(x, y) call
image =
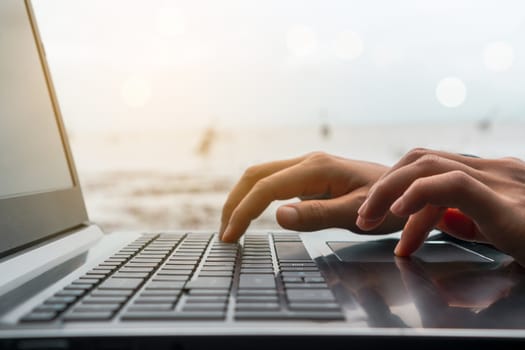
point(382, 251)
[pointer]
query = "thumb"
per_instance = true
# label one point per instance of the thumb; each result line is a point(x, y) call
point(313, 215)
point(304, 216)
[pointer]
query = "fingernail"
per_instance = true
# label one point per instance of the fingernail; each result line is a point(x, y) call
point(396, 250)
point(289, 214)
point(362, 208)
point(366, 224)
point(359, 222)
point(397, 207)
point(226, 234)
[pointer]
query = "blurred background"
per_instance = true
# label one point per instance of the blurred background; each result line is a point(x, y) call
point(167, 102)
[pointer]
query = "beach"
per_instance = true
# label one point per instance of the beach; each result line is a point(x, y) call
point(179, 179)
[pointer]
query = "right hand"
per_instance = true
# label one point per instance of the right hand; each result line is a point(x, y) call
point(473, 199)
point(331, 188)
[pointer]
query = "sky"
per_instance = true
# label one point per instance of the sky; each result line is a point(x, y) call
point(122, 65)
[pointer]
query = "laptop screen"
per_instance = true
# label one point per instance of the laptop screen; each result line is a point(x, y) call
point(32, 157)
point(39, 192)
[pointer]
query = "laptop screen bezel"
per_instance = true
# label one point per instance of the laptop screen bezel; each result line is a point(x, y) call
point(29, 219)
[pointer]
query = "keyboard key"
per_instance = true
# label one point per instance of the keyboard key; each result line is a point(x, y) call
point(314, 306)
point(173, 316)
point(104, 300)
point(254, 271)
point(204, 273)
point(155, 299)
point(88, 316)
point(217, 306)
point(257, 306)
point(206, 299)
point(291, 251)
point(179, 278)
point(96, 307)
point(301, 274)
point(305, 285)
point(203, 292)
point(302, 295)
point(160, 292)
point(125, 269)
point(288, 315)
point(140, 275)
point(50, 308)
point(253, 281)
point(171, 285)
point(121, 283)
point(61, 300)
point(71, 293)
point(209, 283)
point(150, 307)
point(85, 280)
point(78, 286)
point(257, 292)
point(257, 298)
point(111, 293)
point(257, 266)
point(39, 316)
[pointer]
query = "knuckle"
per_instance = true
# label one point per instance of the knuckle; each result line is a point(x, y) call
point(320, 163)
point(263, 187)
point(514, 167)
point(428, 160)
point(252, 174)
point(415, 153)
point(316, 213)
point(380, 185)
point(320, 157)
point(513, 163)
point(459, 180)
point(418, 185)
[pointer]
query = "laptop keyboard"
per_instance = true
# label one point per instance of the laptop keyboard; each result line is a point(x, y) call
point(169, 277)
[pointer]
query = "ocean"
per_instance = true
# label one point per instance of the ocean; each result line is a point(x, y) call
point(179, 179)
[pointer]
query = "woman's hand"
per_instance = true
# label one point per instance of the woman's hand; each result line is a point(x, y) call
point(487, 197)
point(331, 189)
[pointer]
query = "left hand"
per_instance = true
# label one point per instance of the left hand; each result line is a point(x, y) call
point(331, 188)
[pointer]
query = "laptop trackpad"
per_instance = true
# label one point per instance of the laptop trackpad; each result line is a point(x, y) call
point(382, 251)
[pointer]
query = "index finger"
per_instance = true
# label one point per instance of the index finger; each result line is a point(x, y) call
point(386, 190)
point(298, 180)
point(250, 177)
point(417, 153)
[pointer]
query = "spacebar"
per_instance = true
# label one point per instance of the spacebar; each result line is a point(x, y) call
point(291, 251)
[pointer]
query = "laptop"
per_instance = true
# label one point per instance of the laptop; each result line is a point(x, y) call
point(66, 284)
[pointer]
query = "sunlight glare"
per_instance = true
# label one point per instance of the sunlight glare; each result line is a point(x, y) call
point(170, 22)
point(136, 91)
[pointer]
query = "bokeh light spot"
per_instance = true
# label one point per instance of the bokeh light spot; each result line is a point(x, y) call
point(451, 92)
point(498, 56)
point(301, 41)
point(348, 45)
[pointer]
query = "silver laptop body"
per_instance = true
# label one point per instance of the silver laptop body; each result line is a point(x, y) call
point(66, 284)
